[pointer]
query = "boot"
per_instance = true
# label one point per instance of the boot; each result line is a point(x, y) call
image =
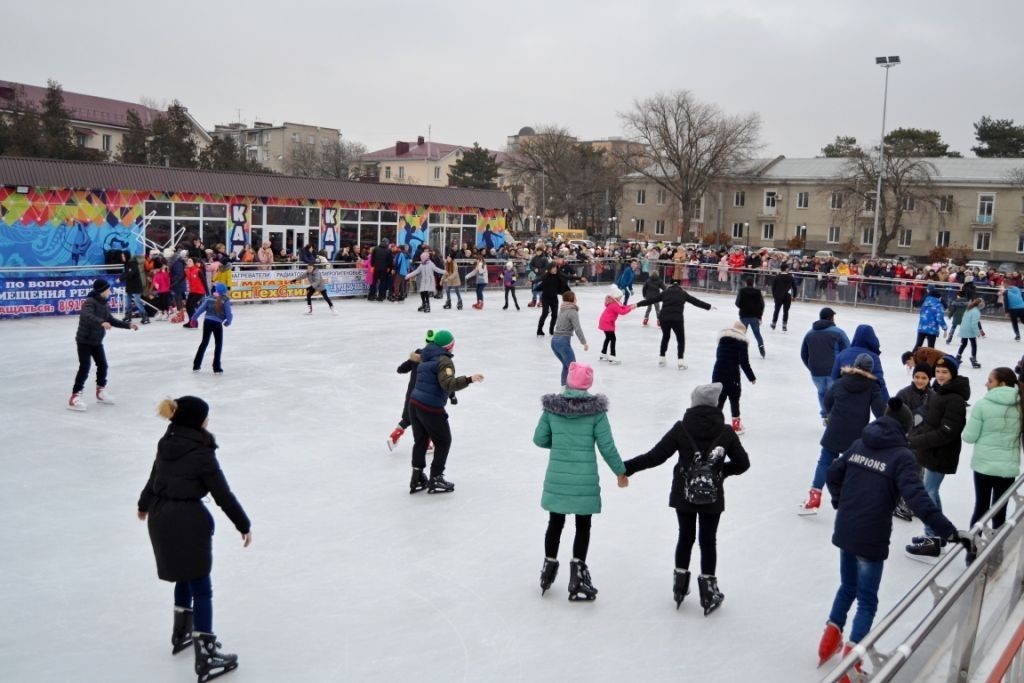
point(784, 327)
point(181, 634)
point(811, 505)
point(438, 484)
point(145, 318)
point(760, 349)
point(846, 651)
point(103, 397)
point(830, 644)
point(547, 574)
point(580, 586)
point(396, 434)
point(710, 597)
point(680, 365)
point(772, 326)
point(645, 322)
point(661, 361)
point(309, 309)
point(532, 304)
point(210, 661)
point(540, 332)
point(613, 360)
point(459, 306)
point(426, 306)
point(903, 511)
point(447, 305)
point(76, 403)
point(418, 481)
point(680, 585)
point(975, 364)
point(737, 425)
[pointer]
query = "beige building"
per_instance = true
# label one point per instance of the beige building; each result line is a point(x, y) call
point(99, 122)
point(422, 162)
point(280, 148)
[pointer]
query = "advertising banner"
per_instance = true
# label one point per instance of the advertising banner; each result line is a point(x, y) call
point(267, 285)
point(26, 295)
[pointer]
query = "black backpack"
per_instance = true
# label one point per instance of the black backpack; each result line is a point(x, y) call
point(702, 479)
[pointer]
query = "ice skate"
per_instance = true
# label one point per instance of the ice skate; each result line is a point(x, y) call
point(396, 434)
point(540, 333)
point(830, 644)
point(846, 679)
point(710, 597)
point(309, 310)
point(181, 634)
point(903, 512)
point(772, 326)
point(680, 365)
point(438, 484)
point(76, 402)
point(760, 349)
point(603, 356)
point(547, 574)
point(784, 327)
point(680, 585)
point(737, 426)
point(447, 305)
point(661, 361)
point(211, 663)
point(928, 550)
point(103, 397)
point(532, 304)
point(612, 360)
point(811, 504)
point(645, 322)
point(975, 364)
point(333, 311)
point(580, 586)
point(418, 481)
point(458, 306)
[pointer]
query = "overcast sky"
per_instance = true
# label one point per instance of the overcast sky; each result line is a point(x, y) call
point(477, 70)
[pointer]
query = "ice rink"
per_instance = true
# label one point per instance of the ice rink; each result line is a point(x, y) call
point(350, 578)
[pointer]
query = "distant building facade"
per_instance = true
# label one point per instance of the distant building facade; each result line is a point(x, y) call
point(279, 148)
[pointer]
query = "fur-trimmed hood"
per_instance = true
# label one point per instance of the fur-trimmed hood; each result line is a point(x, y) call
point(730, 333)
point(574, 403)
point(851, 370)
point(415, 356)
point(568, 304)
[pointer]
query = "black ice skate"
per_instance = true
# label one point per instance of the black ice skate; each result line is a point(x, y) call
point(438, 484)
point(580, 586)
point(447, 305)
point(547, 574)
point(210, 661)
point(459, 306)
point(710, 597)
point(419, 480)
point(181, 635)
point(680, 585)
point(903, 511)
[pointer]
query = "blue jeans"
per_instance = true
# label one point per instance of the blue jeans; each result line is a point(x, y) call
point(196, 595)
point(457, 291)
point(858, 578)
point(932, 481)
point(480, 290)
point(825, 459)
point(561, 345)
point(137, 298)
point(625, 294)
point(822, 384)
point(755, 325)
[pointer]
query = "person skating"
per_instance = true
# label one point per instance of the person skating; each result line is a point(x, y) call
point(217, 310)
point(508, 279)
point(865, 482)
point(915, 396)
point(626, 278)
point(425, 283)
point(317, 283)
point(538, 266)
point(652, 288)
point(784, 289)
point(133, 287)
point(818, 352)
point(864, 341)
point(931, 318)
point(572, 424)
point(956, 310)
point(94, 320)
point(479, 275)
point(561, 336)
point(709, 451)
point(731, 356)
point(1015, 309)
point(970, 330)
point(750, 303)
point(408, 367)
point(451, 282)
point(849, 404)
point(613, 308)
point(181, 527)
point(551, 286)
point(436, 381)
point(674, 300)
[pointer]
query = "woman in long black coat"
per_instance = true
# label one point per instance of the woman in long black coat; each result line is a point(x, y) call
point(181, 528)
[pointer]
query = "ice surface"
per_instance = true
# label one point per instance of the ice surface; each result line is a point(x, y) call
point(352, 579)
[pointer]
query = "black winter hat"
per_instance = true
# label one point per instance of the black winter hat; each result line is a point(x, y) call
point(826, 314)
point(923, 367)
point(190, 411)
point(948, 362)
point(100, 285)
point(898, 410)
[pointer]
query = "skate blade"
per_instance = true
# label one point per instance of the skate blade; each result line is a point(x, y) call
point(924, 559)
point(806, 512)
point(175, 649)
point(391, 445)
point(582, 598)
point(76, 409)
point(433, 491)
point(416, 489)
point(712, 608)
point(203, 678)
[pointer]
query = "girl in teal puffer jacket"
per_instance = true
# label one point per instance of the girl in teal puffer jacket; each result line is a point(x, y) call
point(574, 422)
point(970, 330)
point(995, 430)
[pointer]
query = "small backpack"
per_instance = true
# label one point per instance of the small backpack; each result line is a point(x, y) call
point(702, 479)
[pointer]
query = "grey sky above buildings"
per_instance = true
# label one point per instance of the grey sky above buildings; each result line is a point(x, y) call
point(480, 70)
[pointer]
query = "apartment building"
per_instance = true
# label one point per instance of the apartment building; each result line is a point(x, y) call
point(280, 147)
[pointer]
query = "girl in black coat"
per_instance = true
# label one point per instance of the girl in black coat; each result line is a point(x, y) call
point(702, 429)
point(731, 357)
point(181, 528)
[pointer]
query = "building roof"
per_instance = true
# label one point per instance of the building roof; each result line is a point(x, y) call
point(416, 152)
point(947, 170)
point(89, 108)
point(86, 175)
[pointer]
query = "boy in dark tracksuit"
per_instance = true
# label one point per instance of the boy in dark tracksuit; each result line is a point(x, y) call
point(673, 300)
point(93, 322)
point(750, 303)
point(653, 287)
point(407, 367)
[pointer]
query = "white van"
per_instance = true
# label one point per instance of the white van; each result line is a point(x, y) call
point(824, 254)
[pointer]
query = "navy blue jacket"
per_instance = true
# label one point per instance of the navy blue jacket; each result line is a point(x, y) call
point(436, 378)
point(821, 346)
point(867, 481)
point(864, 341)
point(731, 356)
point(848, 405)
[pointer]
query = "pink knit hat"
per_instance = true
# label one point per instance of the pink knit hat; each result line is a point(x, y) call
point(581, 376)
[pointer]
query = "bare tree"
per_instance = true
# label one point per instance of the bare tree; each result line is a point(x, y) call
point(340, 159)
point(686, 144)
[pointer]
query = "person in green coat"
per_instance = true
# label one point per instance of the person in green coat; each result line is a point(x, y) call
point(995, 430)
point(571, 424)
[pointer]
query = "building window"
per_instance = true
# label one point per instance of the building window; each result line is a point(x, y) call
point(437, 173)
point(401, 172)
point(803, 200)
point(641, 196)
point(739, 199)
point(908, 203)
point(659, 227)
point(697, 210)
point(106, 142)
point(311, 139)
point(208, 222)
point(867, 235)
point(837, 201)
point(833, 234)
point(737, 231)
point(387, 172)
point(942, 238)
point(661, 197)
point(986, 206)
point(768, 231)
point(946, 203)
point(982, 241)
point(904, 240)
point(771, 198)
point(80, 140)
point(296, 137)
point(640, 224)
point(1020, 243)
point(801, 232)
point(869, 202)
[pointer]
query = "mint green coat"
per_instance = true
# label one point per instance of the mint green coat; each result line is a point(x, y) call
point(994, 429)
point(572, 423)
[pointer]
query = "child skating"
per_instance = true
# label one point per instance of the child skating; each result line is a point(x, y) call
point(94, 320)
point(217, 310)
point(407, 367)
point(613, 308)
point(508, 279)
point(317, 283)
point(732, 356)
point(425, 283)
point(970, 330)
point(479, 272)
point(451, 282)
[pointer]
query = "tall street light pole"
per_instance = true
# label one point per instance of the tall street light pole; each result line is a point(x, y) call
point(886, 63)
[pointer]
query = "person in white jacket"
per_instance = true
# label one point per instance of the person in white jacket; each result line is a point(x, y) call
point(425, 283)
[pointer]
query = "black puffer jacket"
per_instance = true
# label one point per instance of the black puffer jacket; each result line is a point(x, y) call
point(95, 311)
point(706, 426)
point(180, 526)
point(750, 301)
point(132, 276)
point(731, 356)
point(653, 286)
point(673, 299)
point(936, 441)
point(849, 404)
point(553, 284)
point(784, 287)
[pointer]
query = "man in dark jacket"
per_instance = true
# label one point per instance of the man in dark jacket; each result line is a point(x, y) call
point(653, 287)
point(380, 261)
point(93, 322)
point(178, 281)
point(538, 266)
point(133, 287)
point(673, 299)
point(819, 350)
point(783, 291)
point(550, 287)
point(865, 484)
point(750, 303)
point(864, 341)
point(848, 405)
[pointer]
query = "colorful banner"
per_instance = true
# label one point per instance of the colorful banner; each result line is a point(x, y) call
point(23, 296)
point(268, 285)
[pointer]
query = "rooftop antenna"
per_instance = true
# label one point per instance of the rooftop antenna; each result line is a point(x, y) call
point(429, 131)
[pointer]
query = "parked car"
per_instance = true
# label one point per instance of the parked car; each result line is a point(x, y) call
point(977, 265)
point(823, 254)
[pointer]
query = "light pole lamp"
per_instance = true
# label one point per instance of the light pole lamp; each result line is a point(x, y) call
point(746, 229)
point(886, 63)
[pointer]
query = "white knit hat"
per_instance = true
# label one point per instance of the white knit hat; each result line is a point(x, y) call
point(614, 292)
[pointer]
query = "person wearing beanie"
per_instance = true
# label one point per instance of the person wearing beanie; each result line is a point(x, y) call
point(624, 283)
point(508, 280)
point(185, 471)
point(217, 310)
point(571, 425)
point(703, 440)
point(674, 300)
point(750, 302)
point(652, 288)
point(864, 341)
point(317, 283)
point(731, 356)
point(865, 483)
point(849, 404)
point(915, 397)
point(613, 308)
point(820, 347)
point(568, 323)
point(784, 290)
point(436, 382)
point(931, 319)
point(479, 273)
point(936, 443)
point(451, 281)
point(425, 282)
point(94, 320)
point(551, 285)
point(970, 330)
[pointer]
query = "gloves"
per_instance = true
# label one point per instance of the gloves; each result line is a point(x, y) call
point(965, 539)
point(918, 419)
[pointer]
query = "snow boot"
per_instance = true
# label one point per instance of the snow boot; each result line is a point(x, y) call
point(210, 661)
point(438, 484)
point(680, 585)
point(76, 403)
point(547, 574)
point(830, 644)
point(581, 588)
point(181, 634)
point(418, 481)
point(811, 505)
point(710, 597)
point(737, 425)
point(103, 397)
point(396, 434)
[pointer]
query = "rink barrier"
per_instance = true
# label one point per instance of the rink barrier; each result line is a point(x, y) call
point(967, 610)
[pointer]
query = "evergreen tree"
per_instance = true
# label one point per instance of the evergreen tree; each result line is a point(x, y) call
point(133, 146)
point(844, 146)
point(477, 168)
point(224, 155)
point(998, 138)
point(172, 142)
point(23, 134)
point(916, 142)
point(58, 141)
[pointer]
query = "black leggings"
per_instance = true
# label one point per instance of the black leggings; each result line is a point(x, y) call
point(427, 426)
point(1016, 316)
point(784, 304)
point(987, 490)
point(963, 345)
point(552, 306)
point(730, 390)
point(609, 342)
point(323, 292)
point(511, 290)
point(87, 353)
point(667, 328)
point(708, 539)
point(215, 329)
point(922, 338)
point(580, 544)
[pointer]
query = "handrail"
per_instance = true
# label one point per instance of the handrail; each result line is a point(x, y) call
point(1011, 652)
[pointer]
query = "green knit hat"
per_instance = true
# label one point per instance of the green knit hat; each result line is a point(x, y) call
point(440, 337)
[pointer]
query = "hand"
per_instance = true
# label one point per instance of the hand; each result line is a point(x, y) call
point(134, 327)
point(965, 539)
point(477, 378)
point(105, 326)
point(246, 540)
point(623, 481)
point(586, 347)
point(227, 323)
point(142, 515)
